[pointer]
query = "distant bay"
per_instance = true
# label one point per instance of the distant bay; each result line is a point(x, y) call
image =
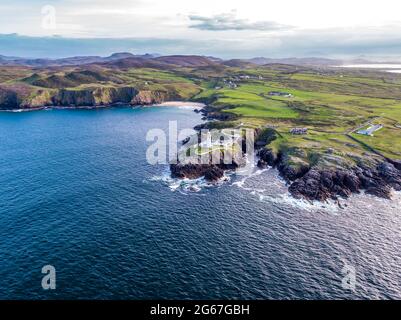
point(388, 67)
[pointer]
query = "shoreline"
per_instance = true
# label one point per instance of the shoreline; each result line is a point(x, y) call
point(179, 104)
point(308, 183)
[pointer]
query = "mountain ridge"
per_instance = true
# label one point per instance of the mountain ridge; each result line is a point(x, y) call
point(127, 59)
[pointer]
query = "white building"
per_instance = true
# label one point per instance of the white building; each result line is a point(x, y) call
point(280, 94)
point(369, 131)
point(299, 131)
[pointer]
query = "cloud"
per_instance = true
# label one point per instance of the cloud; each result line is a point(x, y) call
point(229, 21)
point(332, 42)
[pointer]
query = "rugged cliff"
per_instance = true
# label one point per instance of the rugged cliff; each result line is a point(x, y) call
point(147, 97)
point(8, 99)
point(94, 97)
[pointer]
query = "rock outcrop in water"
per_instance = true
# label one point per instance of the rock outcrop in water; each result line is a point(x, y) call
point(321, 185)
point(194, 171)
point(212, 170)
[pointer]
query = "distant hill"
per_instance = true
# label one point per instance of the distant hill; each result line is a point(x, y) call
point(162, 62)
point(239, 63)
point(121, 59)
point(312, 61)
point(137, 62)
point(70, 79)
point(120, 55)
point(129, 60)
point(186, 61)
point(70, 61)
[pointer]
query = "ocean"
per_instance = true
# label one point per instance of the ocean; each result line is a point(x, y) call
point(77, 193)
point(387, 67)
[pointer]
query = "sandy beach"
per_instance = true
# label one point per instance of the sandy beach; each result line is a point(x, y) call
point(181, 104)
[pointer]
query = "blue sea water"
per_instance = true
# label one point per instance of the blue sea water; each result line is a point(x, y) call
point(76, 192)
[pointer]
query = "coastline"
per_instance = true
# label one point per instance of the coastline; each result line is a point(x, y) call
point(190, 104)
point(180, 104)
point(379, 177)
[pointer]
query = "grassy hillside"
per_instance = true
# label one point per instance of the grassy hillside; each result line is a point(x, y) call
point(331, 104)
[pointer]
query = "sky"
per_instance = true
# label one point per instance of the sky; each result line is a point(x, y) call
point(227, 29)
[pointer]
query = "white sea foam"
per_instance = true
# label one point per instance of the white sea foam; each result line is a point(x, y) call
point(181, 104)
point(277, 192)
point(187, 186)
point(329, 206)
point(16, 110)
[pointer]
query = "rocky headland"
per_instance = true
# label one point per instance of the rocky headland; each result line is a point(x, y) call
point(331, 176)
point(319, 176)
point(315, 183)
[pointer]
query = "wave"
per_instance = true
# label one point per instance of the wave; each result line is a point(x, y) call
point(187, 186)
point(329, 206)
point(274, 191)
point(242, 182)
point(277, 191)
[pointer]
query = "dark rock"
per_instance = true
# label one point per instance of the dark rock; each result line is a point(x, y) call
point(326, 179)
point(390, 174)
point(396, 163)
point(214, 173)
point(309, 187)
point(352, 182)
point(211, 172)
point(264, 137)
point(262, 164)
point(267, 156)
point(8, 99)
point(292, 172)
point(381, 191)
point(322, 185)
point(222, 116)
point(188, 170)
